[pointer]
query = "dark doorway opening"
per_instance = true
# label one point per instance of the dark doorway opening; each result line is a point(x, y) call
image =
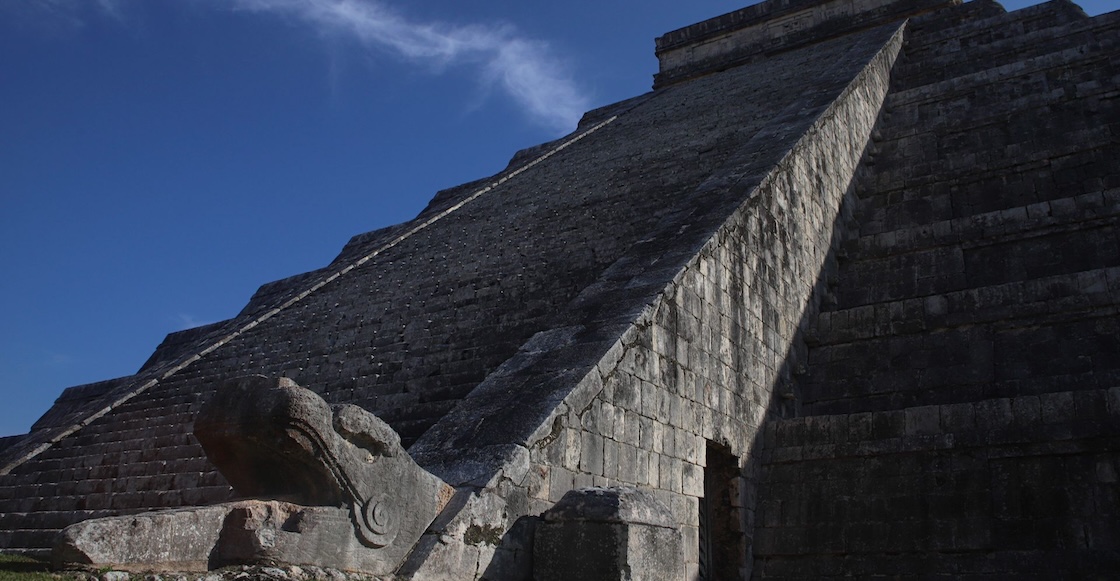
point(722, 541)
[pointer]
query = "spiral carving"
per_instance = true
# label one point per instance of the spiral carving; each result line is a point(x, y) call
point(375, 521)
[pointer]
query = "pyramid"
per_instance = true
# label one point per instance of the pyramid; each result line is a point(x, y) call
point(840, 296)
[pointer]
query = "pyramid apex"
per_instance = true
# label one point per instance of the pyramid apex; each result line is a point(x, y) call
point(770, 27)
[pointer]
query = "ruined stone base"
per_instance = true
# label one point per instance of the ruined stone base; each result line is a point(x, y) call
point(252, 532)
point(607, 534)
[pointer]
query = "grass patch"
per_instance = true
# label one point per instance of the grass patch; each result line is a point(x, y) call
point(20, 568)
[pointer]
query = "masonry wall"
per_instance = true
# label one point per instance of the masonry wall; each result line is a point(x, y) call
point(711, 361)
point(1021, 487)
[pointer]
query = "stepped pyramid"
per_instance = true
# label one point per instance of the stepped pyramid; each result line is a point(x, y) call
point(840, 296)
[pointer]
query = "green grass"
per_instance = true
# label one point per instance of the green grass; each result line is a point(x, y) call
point(20, 568)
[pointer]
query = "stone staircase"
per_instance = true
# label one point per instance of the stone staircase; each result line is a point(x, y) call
point(963, 386)
point(163, 466)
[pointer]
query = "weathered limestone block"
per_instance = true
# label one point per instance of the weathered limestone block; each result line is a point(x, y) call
point(335, 489)
point(173, 540)
point(202, 538)
point(608, 534)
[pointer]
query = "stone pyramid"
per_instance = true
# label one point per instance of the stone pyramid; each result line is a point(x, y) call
point(839, 297)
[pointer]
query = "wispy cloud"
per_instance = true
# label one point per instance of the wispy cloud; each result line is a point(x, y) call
point(71, 14)
point(186, 321)
point(524, 69)
point(57, 12)
point(112, 8)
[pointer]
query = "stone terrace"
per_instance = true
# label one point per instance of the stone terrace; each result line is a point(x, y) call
point(963, 392)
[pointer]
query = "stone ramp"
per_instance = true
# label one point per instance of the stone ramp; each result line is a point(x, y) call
point(961, 391)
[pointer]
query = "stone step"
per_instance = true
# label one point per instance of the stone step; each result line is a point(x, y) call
point(35, 542)
point(146, 434)
point(107, 467)
point(111, 450)
point(1039, 85)
point(1024, 419)
point(937, 227)
point(1023, 300)
point(1041, 152)
point(940, 31)
point(937, 56)
point(915, 71)
point(1019, 257)
point(1016, 481)
point(31, 522)
point(925, 123)
point(1003, 144)
point(110, 479)
point(1014, 75)
point(1046, 92)
point(886, 206)
point(62, 509)
point(960, 15)
point(1048, 352)
point(47, 520)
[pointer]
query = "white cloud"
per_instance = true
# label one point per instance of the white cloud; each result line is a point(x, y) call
point(112, 8)
point(523, 68)
point(186, 321)
point(70, 13)
point(57, 12)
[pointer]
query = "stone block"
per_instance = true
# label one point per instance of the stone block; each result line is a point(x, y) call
point(692, 480)
point(860, 426)
point(605, 534)
point(627, 427)
point(561, 480)
point(653, 475)
point(923, 421)
point(994, 413)
point(628, 464)
point(572, 442)
point(197, 539)
point(1027, 411)
point(591, 454)
point(610, 458)
point(958, 417)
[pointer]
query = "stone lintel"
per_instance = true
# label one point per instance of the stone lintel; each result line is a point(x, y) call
point(771, 27)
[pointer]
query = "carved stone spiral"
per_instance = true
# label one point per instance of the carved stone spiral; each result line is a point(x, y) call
point(376, 522)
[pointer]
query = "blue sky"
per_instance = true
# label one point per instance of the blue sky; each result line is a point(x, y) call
point(159, 160)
